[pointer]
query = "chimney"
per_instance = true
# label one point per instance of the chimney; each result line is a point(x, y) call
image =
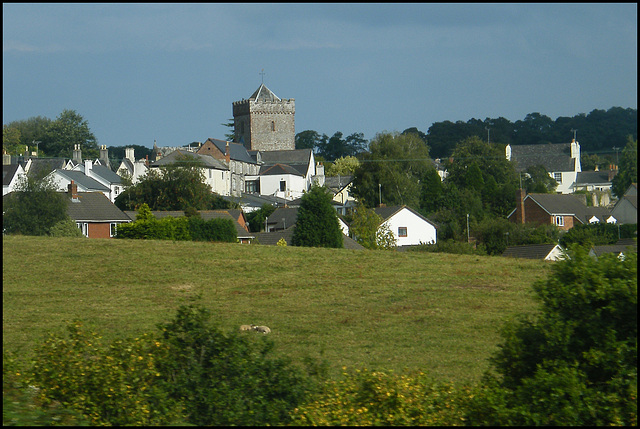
point(146, 161)
point(129, 154)
point(227, 154)
point(73, 191)
point(104, 155)
point(88, 164)
point(77, 154)
point(520, 215)
point(6, 158)
point(611, 174)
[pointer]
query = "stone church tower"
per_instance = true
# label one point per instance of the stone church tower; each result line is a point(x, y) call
point(265, 122)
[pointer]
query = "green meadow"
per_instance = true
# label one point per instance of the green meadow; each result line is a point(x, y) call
point(384, 310)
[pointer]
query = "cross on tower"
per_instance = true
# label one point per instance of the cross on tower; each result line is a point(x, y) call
point(262, 74)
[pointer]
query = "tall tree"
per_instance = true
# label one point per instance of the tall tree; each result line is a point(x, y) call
point(337, 147)
point(628, 169)
point(391, 170)
point(31, 130)
point(33, 208)
point(68, 130)
point(317, 222)
point(309, 139)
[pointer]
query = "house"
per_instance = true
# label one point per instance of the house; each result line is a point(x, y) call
point(626, 209)
point(237, 159)
point(284, 173)
point(131, 168)
point(598, 184)
point(623, 246)
point(546, 252)
point(281, 219)
point(94, 214)
point(251, 202)
point(563, 210)
point(562, 161)
point(216, 173)
point(11, 175)
point(236, 216)
point(407, 225)
point(102, 174)
point(340, 187)
point(63, 178)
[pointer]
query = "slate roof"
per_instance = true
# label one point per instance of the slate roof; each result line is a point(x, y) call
point(94, 207)
point(41, 167)
point(279, 169)
point(289, 214)
point(387, 212)
point(83, 180)
point(530, 251)
point(237, 152)
point(299, 159)
point(106, 173)
point(337, 183)
point(8, 171)
point(207, 160)
point(561, 204)
point(264, 94)
point(593, 178)
point(554, 157)
point(611, 248)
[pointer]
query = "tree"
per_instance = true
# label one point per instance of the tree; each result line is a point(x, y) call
point(431, 191)
point(368, 230)
point(230, 134)
point(537, 180)
point(177, 186)
point(11, 140)
point(34, 207)
point(575, 361)
point(392, 169)
point(628, 170)
point(309, 139)
point(317, 222)
point(256, 218)
point(69, 129)
point(29, 131)
point(337, 147)
point(343, 166)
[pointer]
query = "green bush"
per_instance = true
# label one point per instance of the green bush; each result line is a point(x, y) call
point(109, 384)
point(597, 234)
point(575, 363)
point(227, 379)
point(376, 398)
point(65, 228)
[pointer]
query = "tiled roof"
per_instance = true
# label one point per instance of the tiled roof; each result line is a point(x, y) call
point(40, 167)
point(106, 174)
point(237, 152)
point(290, 157)
point(561, 204)
point(94, 207)
point(277, 169)
point(593, 178)
point(554, 157)
point(530, 251)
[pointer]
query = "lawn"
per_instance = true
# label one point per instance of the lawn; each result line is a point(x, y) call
point(439, 313)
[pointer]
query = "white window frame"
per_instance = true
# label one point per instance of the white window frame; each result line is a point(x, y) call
point(113, 229)
point(84, 227)
point(557, 177)
point(559, 220)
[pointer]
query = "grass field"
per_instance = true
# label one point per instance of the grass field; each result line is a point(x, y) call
point(439, 313)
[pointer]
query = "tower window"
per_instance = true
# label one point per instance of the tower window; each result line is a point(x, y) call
point(273, 126)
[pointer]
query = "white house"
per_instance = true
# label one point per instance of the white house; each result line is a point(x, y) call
point(11, 175)
point(285, 173)
point(132, 168)
point(407, 225)
point(562, 161)
point(216, 173)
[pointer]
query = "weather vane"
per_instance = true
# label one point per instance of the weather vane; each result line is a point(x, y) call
point(262, 74)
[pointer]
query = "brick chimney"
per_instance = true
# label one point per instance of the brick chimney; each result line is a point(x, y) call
point(104, 155)
point(520, 214)
point(227, 154)
point(77, 154)
point(73, 191)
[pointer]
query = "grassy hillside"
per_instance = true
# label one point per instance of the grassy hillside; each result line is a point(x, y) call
point(384, 310)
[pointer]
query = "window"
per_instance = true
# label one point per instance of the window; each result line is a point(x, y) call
point(559, 220)
point(114, 229)
point(252, 186)
point(558, 177)
point(402, 231)
point(283, 186)
point(84, 227)
point(273, 125)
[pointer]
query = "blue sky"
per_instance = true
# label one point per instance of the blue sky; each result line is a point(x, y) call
point(170, 72)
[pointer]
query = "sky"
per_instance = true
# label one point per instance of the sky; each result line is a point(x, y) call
point(139, 73)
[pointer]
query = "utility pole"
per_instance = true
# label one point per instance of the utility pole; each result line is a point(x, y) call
point(468, 238)
point(380, 194)
point(37, 147)
point(488, 133)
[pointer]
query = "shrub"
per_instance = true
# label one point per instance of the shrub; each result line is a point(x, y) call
point(376, 398)
point(226, 379)
point(109, 384)
point(65, 228)
point(575, 363)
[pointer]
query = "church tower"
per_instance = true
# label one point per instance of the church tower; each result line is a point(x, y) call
point(265, 122)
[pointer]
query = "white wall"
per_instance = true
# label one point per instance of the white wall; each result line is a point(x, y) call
point(270, 185)
point(418, 230)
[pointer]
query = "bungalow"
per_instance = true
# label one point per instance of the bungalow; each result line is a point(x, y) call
point(546, 252)
point(407, 225)
point(94, 214)
point(562, 161)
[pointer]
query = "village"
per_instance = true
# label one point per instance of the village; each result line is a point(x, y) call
point(261, 166)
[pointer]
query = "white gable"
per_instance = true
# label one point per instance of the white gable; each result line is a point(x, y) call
point(411, 229)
